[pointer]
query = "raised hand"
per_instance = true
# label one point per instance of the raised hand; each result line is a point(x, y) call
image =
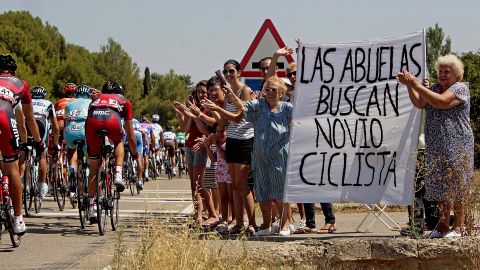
point(284, 51)
point(210, 105)
point(194, 109)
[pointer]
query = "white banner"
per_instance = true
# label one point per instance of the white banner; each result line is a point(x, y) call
point(354, 130)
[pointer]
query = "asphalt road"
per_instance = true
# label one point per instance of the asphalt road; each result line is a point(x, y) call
point(54, 239)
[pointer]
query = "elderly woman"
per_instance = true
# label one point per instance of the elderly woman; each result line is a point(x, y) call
point(448, 140)
point(271, 119)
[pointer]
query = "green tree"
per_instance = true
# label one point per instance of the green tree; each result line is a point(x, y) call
point(471, 63)
point(146, 82)
point(436, 47)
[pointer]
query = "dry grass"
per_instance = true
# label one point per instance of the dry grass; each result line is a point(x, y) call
point(160, 246)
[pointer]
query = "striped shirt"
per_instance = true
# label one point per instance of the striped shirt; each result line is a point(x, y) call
point(242, 130)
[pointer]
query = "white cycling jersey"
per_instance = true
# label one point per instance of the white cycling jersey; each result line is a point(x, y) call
point(168, 135)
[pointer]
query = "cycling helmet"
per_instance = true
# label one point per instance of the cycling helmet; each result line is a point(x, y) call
point(83, 91)
point(38, 92)
point(7, 63)
point(69, 89)
point(111, 87)
point(155, 118)
point(143, 119)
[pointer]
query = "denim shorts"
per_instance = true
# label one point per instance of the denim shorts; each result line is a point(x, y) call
point(196, 159)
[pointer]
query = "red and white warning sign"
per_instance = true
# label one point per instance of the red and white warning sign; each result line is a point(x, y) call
point(265, 43)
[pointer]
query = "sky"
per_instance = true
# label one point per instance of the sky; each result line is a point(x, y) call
point(197, 37)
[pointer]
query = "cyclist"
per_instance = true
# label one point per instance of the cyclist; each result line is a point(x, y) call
point(157, 134)
point(76, 113)
point(46, 119)
point(13, 91)
point(170, 143)
point(69, 92)
point(105, 113)
point(148, 131)
point(181, 137)
point(140, 138)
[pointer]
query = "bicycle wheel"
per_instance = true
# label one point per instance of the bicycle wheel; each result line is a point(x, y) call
point(15, 238)
point(33, 190)
point(37, 199)
point(58, 189)
point(100, 201)
point(26, 190)
point(114, 210)
point(82, 199)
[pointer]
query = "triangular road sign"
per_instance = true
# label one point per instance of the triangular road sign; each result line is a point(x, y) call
point(265, 43)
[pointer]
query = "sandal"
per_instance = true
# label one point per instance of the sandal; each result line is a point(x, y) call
point(328, 228)
point(305, 230)
point(235, 230)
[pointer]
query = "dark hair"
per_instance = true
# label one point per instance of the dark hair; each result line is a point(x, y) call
point(194, 93)
point(213, 81)
point(7, 63)
point(265, 58)
point(111, 87)
point(233, 62)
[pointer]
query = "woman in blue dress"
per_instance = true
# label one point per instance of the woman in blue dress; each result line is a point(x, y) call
point(271, 119)
point(449, 146)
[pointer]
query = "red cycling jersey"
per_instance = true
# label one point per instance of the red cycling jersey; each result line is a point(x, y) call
point(105, 113)
point(12, 91)
point(115, 102)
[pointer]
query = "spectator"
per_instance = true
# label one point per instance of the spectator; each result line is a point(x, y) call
point(271, 119)
point(239, 146)
point(449, 144)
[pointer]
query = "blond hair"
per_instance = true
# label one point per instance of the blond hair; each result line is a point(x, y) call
point(292, 66)
point(452, 61)
point(282, 88)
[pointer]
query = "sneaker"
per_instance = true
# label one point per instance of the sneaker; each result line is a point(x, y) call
point(452, 234)
point(118, 182)
point(140, 184)
point(92, 213)
point(19, 227)
point(43, 190)
point(264, 232)
point(291, 227)
point(302, 223)
point(436, 234)
point(275, 229)
point(284, 232)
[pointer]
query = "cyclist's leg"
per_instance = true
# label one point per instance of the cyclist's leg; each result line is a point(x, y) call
point(42, 168)
point(92, 125)
point(9, 149)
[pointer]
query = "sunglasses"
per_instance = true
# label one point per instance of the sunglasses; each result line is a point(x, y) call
point(293, 73)
point(228, 71)
point(267, 90)
point(263, 69)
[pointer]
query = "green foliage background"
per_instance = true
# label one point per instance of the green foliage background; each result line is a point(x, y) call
point(45, 58)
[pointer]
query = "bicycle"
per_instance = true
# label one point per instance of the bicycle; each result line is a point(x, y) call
point(80, 182)
point(6, 213)
point(57, 180)
point(31, 191)
point(130, 174)
point(107, 199)
point(180, 163)
point(168, 166)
